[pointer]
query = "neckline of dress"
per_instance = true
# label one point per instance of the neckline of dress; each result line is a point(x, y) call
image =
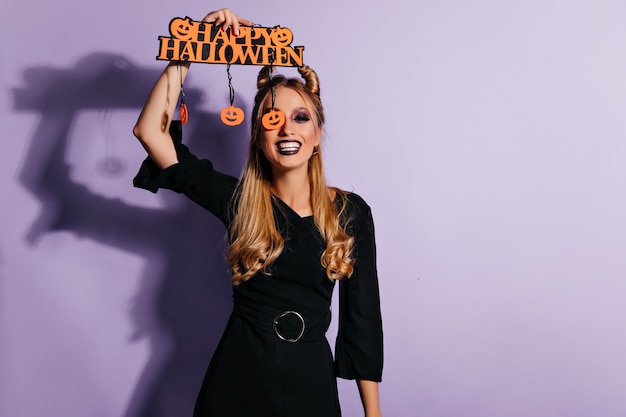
point(275, 197)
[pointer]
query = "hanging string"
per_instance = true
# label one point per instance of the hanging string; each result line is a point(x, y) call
point(231, 90)
point(273, 119)
point(273, 90)
point(231, 116)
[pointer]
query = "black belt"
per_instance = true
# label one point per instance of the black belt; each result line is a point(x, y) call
point(289, 326)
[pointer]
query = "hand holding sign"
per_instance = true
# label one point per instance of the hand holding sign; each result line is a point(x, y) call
point(222, 37)
point(226, 18)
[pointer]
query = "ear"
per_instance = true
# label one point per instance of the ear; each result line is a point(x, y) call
point(318, 139)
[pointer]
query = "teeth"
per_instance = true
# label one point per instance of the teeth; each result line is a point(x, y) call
point(287, 147)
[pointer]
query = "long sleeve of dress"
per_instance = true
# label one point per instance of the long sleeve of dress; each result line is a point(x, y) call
point(359, 345)
point(191, 176)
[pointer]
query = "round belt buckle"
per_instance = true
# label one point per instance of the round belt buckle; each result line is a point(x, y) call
point(284, 314)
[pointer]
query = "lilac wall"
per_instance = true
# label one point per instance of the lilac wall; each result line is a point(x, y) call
point(487, 137)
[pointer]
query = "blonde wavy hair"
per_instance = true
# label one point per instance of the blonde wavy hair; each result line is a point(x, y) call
point(255, 241)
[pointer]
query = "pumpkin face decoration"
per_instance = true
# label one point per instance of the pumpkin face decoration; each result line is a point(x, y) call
point(273, 119)
point(232, 116)
point(183, 29)
point(281, 36)
point(184, 114)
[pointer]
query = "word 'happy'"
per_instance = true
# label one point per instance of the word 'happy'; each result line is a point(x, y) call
point(206, 43)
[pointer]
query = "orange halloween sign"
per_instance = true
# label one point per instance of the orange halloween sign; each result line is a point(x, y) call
point(203, 42)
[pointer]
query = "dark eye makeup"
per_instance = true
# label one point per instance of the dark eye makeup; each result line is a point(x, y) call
point(301, 116)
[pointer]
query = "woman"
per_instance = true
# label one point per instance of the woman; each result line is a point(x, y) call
point(291, 237)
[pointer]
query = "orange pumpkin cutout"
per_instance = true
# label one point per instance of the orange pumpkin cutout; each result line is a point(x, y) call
point(184, 114)
point(273, 119)
point(281, 36)
point(232, 116)
point(184, 29)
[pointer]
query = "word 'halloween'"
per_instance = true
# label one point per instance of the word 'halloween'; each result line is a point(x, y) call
point(206, 43)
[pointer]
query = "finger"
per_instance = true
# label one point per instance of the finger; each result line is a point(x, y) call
point(228, 20)
point(210, 17)
point(236, 27)
point(216, 16)
point(245, 22)
point(238, 21)
point(219, 18)
point(231, 20)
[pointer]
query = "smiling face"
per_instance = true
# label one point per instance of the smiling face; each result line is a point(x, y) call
point(290, 146)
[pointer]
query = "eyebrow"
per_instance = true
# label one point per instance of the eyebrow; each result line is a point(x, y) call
point(293, 110)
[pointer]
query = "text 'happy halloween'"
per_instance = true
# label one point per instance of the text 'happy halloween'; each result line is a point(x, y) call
point(206, 43)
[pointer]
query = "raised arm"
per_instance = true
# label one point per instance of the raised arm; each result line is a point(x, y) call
point(152, 128)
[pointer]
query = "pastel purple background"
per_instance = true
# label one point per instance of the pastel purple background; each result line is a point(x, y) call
point(488, 137)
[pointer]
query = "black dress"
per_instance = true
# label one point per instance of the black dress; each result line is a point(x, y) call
point(273, 359)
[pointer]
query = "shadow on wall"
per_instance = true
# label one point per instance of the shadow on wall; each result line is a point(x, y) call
point(184, 296)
